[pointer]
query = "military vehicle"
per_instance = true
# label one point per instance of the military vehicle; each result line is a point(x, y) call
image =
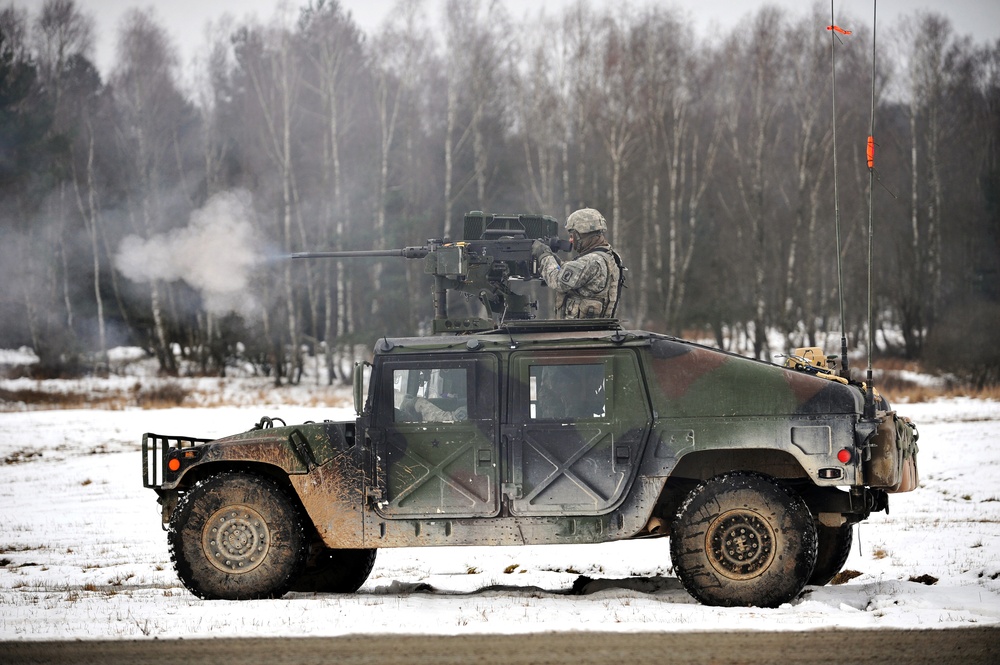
point(521, 431)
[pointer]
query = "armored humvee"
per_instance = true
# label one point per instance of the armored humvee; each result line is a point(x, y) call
point(544, 432)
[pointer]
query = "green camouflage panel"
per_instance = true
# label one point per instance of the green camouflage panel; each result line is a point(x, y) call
point(695, 381)
point(708, 400)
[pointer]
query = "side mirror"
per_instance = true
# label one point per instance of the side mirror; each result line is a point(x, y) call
point(359, 386)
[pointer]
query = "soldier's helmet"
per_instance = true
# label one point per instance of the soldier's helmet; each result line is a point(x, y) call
point(586, 220)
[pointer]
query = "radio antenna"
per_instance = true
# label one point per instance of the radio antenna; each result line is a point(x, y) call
point(870, 386)
point(844, 368)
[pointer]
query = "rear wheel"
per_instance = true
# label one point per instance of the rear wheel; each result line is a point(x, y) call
point(742, 539)
point(834, 548)
point(336, 571)
point(236, 536)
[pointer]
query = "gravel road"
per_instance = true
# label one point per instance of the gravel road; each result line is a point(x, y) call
point(965, 646)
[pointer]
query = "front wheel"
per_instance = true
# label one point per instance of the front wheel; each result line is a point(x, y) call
point(742, 539)
point(236, 536)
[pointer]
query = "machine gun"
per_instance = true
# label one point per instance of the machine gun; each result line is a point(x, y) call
point(495, 250)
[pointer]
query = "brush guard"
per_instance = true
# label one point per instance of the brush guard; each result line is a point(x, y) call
point(155, 449)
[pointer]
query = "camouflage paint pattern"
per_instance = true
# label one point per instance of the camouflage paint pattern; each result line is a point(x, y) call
point(586, 287)
point(673, 412)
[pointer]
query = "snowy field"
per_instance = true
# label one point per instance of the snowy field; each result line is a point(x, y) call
point(83, 556)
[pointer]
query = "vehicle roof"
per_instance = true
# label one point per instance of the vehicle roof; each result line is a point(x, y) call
point(541, 334)
point(547, 333)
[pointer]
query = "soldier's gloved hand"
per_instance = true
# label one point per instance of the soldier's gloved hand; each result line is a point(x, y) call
point(539, 249)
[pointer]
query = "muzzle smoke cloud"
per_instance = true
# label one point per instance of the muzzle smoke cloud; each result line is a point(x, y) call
point(215, 254)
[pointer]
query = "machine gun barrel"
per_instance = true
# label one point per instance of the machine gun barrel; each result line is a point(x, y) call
point(405, 252)
point(494, 252)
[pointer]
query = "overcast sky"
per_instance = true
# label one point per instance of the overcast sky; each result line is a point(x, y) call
point(185, 19)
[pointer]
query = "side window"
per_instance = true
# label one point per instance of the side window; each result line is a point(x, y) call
point(430, 395)
point(566, 392)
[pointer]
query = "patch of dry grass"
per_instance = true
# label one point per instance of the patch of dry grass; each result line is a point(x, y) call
point(924, 579)
point(49, 400)
point(160, 395)
point(844, 576)
point(889, 381)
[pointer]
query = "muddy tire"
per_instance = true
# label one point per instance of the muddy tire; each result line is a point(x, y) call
point(834, 548)
point(236, 536)
point(336, 571)
point(742, 539)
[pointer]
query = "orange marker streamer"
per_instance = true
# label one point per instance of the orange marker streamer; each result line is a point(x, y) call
point(837, 28)
point(871, 152)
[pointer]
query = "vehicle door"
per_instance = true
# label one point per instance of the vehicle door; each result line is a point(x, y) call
point(577, 424)
point(435, 437)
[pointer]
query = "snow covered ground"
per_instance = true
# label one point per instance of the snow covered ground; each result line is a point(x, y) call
point(83, 556)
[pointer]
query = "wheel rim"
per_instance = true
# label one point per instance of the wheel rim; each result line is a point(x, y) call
point(236, 539)
point(741, 544)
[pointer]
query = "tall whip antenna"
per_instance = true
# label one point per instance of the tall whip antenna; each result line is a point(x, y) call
point(870, 388)
point(844, 369)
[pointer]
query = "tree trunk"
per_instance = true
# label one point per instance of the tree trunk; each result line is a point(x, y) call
point(90, 213)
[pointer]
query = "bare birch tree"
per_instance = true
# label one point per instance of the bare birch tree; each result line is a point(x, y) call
point(810, 146)
point(397, 56)
point(475, 56)
point(540, 86)
point(333, 45)
point(148, 102)
point(680, 141)
point(275, 72)
point(62, 34)
point(754, 69)
point(928, 39)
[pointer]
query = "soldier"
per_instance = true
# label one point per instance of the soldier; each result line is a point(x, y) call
point(588, 287)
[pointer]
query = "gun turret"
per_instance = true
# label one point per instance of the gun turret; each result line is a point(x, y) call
point(496, 249)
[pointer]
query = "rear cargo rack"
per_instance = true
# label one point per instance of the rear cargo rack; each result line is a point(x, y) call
point(155, 448)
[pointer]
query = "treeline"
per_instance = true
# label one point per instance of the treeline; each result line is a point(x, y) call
point(137, 210)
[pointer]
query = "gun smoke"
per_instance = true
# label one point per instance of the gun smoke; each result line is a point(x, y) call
point(214, 254)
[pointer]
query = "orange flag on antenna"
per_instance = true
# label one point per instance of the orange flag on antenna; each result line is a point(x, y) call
point(837, 28)
point(871, 152)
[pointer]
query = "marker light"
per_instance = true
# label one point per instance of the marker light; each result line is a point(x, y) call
point(844, 456)
point(174, 464)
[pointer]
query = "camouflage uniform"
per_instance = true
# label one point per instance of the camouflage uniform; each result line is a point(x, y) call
point(589, 285)
point(430, 413)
